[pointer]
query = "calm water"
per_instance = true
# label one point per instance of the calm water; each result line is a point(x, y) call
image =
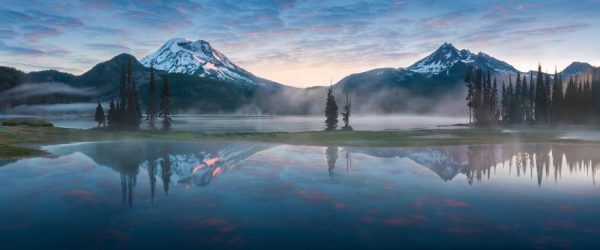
point(215, 195)
point(224, 124)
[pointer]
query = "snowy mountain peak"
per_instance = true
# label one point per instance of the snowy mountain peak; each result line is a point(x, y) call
point(179, 55)
point(438, 61)
point(447, 56)
point(447, 45)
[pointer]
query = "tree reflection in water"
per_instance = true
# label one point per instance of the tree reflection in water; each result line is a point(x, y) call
point(331, 153)
point(198, 166)
point(478, 162)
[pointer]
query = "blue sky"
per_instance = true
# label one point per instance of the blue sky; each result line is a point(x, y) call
point(300, 43)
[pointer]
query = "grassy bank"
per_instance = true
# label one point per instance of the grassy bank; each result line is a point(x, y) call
point(31, 122)
point(12, 139)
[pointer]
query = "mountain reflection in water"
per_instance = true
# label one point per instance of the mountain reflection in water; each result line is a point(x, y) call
point(160, 194)
point(192, 164)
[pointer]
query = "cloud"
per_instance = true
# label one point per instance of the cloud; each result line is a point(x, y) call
point(340, 35)
point(18, 50)
point(8, 34)
point(37, 32)
point(550, 31)
point(13, 17)
point(108, 47)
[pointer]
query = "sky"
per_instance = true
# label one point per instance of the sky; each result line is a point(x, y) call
point(299, 43)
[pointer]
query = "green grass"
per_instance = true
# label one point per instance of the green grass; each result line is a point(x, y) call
point(26, 122)
point(13, 137)
point(10, 152)
point(429, 137)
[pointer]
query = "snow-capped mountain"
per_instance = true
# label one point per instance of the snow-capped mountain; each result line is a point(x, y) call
point(179, 55)
point(447, 56)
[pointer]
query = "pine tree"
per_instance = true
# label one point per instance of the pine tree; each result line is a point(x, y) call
point(151, 107)
point(512, 106)
point(488, 98)
point(595, 89)
point(569, 102)
point(504, 105)
point(165, 105)
point(595, 94)
point(557, 100)
point(494, 102)
point(525, 100)
point(580, 102)
point(346, 114)
point(540, 99)
point(531, 99)
point(133, 116)
point(588, 102)
point(122, 104)
point(517, 99)
point(331, 111)
point(99, 115)
point(134, 112)
point(470, 89)
point(112, 114)
point(478, 104)
point(548, 97)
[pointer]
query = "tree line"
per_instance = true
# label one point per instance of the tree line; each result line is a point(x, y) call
point(126, 114)
point(540, 100)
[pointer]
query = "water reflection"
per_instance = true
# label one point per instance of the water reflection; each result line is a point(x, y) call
point(332, 155)
point(192, 164)
point(479, 162)
point(156, 194)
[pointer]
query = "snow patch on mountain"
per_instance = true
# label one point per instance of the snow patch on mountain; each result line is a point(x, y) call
point(447, 56)
point(179, 55)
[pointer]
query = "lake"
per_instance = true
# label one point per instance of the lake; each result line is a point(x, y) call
point(227, 123)
point(156, 194)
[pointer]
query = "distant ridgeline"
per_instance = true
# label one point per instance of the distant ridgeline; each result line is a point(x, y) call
point(203, 80)
point(537, 98)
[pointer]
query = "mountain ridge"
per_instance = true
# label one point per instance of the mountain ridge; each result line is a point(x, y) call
point(195, 87)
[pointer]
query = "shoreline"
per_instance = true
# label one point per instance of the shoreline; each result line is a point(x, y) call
point(14, 141)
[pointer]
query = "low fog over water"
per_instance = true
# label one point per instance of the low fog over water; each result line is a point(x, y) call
point(224, 124)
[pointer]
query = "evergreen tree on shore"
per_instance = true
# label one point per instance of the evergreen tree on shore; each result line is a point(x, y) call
point(151, 106)
point(504, 105)
point(112, 114)
point(165, 105)
point(99, 116)
point(531, 99)
point(346, 114)
point(596, 94)
point(494, 102)
point(478, 91)
point(511, 102)
point(518, 101)
point(470, 91)
point(134, 113)
point(525, 106)
point(541, 103)
point(331, 111)
point(122, 103)
point(557, 99)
